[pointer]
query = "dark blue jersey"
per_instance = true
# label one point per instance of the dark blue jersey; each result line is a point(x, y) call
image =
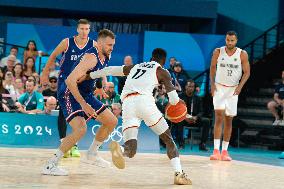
point(70, 57)
point(86, 87)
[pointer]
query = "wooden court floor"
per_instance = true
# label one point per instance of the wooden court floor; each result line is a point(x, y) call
point(21, 167)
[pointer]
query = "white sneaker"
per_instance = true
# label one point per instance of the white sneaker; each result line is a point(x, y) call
point(276, 122)
point(281, 123)
point(96, 160)
point(52, 169)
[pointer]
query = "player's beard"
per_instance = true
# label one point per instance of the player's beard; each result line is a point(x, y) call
point(231, 47)
point(105, 53)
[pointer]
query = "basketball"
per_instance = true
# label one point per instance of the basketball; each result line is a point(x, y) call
point(176, 113)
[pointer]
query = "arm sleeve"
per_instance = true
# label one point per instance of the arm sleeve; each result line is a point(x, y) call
point(40, 102)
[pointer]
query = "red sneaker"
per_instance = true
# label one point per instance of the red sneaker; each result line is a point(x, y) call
point(216, 155)
point(225, 156)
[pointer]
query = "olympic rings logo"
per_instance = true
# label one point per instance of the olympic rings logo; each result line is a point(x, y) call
point(116, 134)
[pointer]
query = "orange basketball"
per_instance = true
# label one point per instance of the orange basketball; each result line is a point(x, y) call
point(176, 113)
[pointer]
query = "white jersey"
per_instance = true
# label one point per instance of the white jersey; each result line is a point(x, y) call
point(142, 79)
point(229, 68)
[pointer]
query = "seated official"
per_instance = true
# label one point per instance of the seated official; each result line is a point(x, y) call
point(30, 102)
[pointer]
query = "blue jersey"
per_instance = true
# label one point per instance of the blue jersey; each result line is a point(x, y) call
point(88, 86)
point(70, 56)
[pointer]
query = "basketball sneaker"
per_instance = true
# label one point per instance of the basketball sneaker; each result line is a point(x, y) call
point(181, 179)
point(225, 156)
point(95, 159)
point(75, 152)
point(117, 156)
point(216, 155)
point(52, 169)
point(67, 154)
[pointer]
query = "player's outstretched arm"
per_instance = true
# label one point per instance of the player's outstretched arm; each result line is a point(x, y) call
point(111, 70)
point(61, 47)
point(164, 78)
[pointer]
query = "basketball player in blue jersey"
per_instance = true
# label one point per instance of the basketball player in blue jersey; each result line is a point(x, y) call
point(78, 104)
point(71, 49)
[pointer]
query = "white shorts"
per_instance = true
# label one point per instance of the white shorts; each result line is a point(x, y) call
point(224, 99)
point(139, 108)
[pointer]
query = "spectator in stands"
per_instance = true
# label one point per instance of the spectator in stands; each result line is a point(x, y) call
point(52, 90)
point(161, 98)
point(13, 51)
point(30, 102)
point(175, 82)
point(53, 71)
point(180, 74)
point(37, 78)
point(121, 80)
point(50, 105)
point(9, 84)
point(113, 97)
point(10, 64)
point(19, 87)
point(19, 72)
point(173, 60)
point(116, 109)
point(31, 50)
point(3, 100)
point(29, 67)
point(195, 116)
point(276, 106)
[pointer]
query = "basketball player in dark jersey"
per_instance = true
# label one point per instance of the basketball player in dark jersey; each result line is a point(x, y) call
point(71, 49)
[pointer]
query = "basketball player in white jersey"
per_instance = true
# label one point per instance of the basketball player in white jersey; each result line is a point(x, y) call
point(229, 72)
point(139, 104)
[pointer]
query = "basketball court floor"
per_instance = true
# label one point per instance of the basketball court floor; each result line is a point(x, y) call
point(21, 167)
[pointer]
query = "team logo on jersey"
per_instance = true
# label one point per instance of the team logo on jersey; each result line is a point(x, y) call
point(223, 58)
point(73, 51)
point(235, 59)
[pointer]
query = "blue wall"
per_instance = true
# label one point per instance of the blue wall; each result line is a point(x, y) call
point(184, 8)
point(48, 37)
point(193, 50)
point(249, 18)
point(41, 131)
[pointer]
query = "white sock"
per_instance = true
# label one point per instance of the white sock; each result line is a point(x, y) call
point(225, 145)
point(95, 146)
point(176, 164)
point(216, 144)
point(57, 156)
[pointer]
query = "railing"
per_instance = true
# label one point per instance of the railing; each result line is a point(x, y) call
point(265, 43)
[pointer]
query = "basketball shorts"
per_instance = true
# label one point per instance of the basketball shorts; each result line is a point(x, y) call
point(224, 99)
point(71, 108)
point(137, 108)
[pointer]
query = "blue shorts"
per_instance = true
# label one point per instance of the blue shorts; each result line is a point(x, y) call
point(71, 108)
